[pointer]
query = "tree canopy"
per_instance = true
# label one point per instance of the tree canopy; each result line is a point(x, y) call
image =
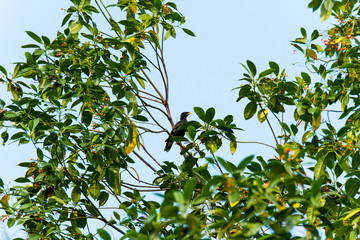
point(86, 98)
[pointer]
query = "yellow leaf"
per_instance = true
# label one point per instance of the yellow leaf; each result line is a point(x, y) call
point(234, 203)
point(265, 214)
point(280, 206)
point(266, 185)
point(134, 42)
point(322, 202)
point(133, 8)
point(296, 205)
point(336, 41)
point(262, 115)
point(311, 53)
point(5, 201)
point(352, 214)
point(131, 144)
point(232, 147)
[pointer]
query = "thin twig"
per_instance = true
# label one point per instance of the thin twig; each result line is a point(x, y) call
point(152, 84)
point(145, 190)
point(110, 189)
point(150, 95)
point(144, 161)
point(217, 163)
point(140, 186)
point(150, 99)
point(268, 145)
point(143, 146)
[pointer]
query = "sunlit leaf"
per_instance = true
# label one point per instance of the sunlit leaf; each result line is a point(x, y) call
point(311, 53)
point(233, 146)
point(262, 115)
point(132, 143)
point(75, 27)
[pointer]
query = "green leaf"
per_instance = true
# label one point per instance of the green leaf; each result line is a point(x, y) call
point(265, 73)
point(251, 229)
point(191, 132)
point(30, 46)
point(75, 195)
point(34, 36)
point(94, 190)
point(310, 213)
point(303, 32)
point(91, 9)
point(5, 137)
point(66, 19)
point(315, 34)
point(352, 187)
point(285, 127)
point(59, 200)
point(83, 4)
point(193, 123)
point(157, 4)
point(22, 180)
point(200, 112)
point(86, 117)
point(188, 32)
point(189, 189)
point(316, 121)
point(233, 198)
point(344, 101)
point(275, 67)
point(40, 154)
point(316, 187)
point(10, 222)
point(16, 71)
point(306, 78)
point(250, 110)
point(243, 164)
point(210, 113)
point(233, 145)
point(320, 166)
point(103, 234)
point(212, 146)
point(289, 87)
point(315, 4)
point(103, 198)
point(306, 136)
point(252, 67)
point(75, 27)
point(179, 197)
point(117, 184)
point(3, 70)
point(167, 34)
point(325, 10)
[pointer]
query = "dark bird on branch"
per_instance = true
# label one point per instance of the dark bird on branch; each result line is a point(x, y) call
point(176, 131)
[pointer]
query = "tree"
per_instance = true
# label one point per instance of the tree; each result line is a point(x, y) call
point(86, 98)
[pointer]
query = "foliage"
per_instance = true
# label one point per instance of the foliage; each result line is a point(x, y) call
point(86, 98)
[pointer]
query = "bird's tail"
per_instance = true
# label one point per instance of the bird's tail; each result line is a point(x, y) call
point(168, 145)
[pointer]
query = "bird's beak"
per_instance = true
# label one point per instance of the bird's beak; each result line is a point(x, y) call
point(188, 113)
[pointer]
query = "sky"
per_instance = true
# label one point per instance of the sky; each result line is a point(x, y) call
point(202, 69)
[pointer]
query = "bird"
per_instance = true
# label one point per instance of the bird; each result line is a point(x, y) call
point(176, 131)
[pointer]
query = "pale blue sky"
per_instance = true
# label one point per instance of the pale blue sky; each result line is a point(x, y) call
point(204, 69)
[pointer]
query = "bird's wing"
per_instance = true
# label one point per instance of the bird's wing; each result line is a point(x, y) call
point(177, 127)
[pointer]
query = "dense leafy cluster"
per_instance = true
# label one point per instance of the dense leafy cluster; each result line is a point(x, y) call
point(86, 98)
